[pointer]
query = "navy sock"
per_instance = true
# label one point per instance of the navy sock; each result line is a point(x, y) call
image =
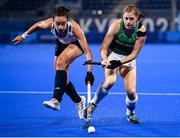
point(60, 83)
point(72, 93)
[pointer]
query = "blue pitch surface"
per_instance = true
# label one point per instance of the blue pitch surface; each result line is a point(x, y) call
point(26, 80)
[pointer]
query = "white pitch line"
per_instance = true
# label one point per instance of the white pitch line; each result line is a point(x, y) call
point(111, 93)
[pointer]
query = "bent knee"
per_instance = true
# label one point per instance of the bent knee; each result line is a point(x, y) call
point(109, 83)
point(131, 94)
point(61, 63)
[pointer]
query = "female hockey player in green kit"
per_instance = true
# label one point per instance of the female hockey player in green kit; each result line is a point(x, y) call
point(124, 39)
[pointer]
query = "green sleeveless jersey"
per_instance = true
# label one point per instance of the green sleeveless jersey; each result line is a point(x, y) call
point(122, 44)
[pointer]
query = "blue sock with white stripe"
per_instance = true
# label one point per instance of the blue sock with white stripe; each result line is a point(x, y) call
point(131, 104)
point(100, 94)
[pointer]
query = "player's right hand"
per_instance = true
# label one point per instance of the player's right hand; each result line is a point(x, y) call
point(89, 78)
point(17, 39)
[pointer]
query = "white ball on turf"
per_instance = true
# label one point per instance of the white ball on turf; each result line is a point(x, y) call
point(91, 129)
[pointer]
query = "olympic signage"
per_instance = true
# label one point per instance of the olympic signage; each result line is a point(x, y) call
point(161, 24)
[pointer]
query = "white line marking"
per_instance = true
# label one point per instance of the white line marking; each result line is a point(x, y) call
point(111, 93)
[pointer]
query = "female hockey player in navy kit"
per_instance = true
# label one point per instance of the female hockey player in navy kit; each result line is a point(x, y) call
point(70, 44)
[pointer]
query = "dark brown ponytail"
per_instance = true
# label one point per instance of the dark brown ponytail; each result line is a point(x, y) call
point(61, 11)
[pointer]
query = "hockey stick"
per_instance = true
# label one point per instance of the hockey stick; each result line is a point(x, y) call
point(113, 63)
point(92, 62)
point(87, 123)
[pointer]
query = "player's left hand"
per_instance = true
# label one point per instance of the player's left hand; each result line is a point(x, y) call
point(114, 64)
point(89, 78)
point(105, 62)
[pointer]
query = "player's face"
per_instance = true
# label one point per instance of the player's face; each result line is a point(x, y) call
point(60, 23)
point(129, 20)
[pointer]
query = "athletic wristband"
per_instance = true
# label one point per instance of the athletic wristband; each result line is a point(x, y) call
point(24, 35)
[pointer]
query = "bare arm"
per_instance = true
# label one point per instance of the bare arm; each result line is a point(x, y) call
point(45, 24)
point(79, 34)
point(137, 48)
point(113, 30)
